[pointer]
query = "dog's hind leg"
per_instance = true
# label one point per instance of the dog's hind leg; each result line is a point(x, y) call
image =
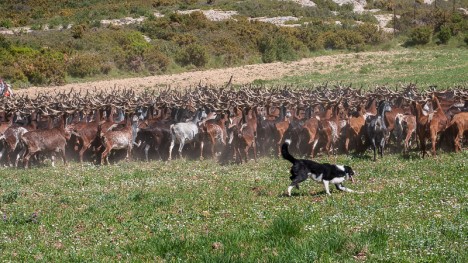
point(326, 184)
point(291, 187)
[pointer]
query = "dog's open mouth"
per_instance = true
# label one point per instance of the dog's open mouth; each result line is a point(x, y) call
point(351, 178)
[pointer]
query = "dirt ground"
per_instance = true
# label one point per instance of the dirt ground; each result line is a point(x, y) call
point(216, 77)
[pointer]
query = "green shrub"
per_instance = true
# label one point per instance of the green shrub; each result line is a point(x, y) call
point(44, 68)
point(194, 54)
point(333, 40)
point(77, 31)
point(183, 39)
point(159, 28)
point(444, 34)
point(4, 42)
point(275, 48)
point(458, 24)
point(248, 33)
point(352, 38)
point(119, 58)
point(13, 73)
point(159, 3)
point(370, 33)
point(230, 50)
point(6, 23)
point(155, 61)
point(84, 65)
point(420, 36)
point(197, 20)
point(311, 38)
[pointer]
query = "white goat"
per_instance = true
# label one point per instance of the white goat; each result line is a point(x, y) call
point(185, 132)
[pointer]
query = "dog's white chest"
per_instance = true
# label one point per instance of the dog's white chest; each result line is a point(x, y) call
point(337, 180)
point(315, 177)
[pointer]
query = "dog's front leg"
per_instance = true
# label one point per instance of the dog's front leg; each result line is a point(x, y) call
point(326, 184)
point(342, 188)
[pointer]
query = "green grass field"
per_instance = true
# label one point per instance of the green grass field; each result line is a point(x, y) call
point(413, 210)
point(445, 68)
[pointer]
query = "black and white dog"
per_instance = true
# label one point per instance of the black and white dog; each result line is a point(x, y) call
point(319, 172)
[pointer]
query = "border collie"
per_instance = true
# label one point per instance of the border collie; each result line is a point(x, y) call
point(319, 172)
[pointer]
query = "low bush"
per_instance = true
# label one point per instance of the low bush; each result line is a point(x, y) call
point(352, 38)
point(419, 36)
point(311, 38)
point(4, 42)
point(371, 33)
point(194, 54)
point(155, 61)
point(444, 35)
point(77, 31)
point(275, 48)
point(84, 65)
point(44, 68)
point(333, 40)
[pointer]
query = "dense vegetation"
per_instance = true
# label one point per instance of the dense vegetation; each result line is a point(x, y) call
point(184, 42)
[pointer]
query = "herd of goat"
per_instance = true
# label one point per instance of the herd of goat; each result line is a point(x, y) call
point(235, 124)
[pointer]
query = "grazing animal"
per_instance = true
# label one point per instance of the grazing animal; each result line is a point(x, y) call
point(12, 138)
point(422, 125)
point(405, 127)
point(437, 124)
point(320, 172)
point(214, 131)
point(123, 138)
point(355, 129)
point(186, 132)
point(46, 140)
point(376, 128)
point(246, 131)
point(460, 124)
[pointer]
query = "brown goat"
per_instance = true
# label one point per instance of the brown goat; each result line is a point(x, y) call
point(214, 131)
point(437, 124)
point(245, 131)
point(355, 129)
point(281, 128)
point(46, 140)
point(119, 139)
point(460, 124)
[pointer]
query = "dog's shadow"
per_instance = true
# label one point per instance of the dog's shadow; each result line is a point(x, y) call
point(302, 194)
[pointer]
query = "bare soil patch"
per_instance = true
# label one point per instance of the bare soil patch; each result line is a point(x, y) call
point(218, 77)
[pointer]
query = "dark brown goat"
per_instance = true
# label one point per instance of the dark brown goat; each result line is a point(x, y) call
point(422, 126)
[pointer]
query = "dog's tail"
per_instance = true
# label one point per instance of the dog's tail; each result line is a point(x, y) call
point(285, 152)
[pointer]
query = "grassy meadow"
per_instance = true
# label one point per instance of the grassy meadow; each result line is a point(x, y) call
point(444, 67)
point(413, 210)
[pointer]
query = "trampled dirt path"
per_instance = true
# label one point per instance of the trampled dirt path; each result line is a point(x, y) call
point(218, 77)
